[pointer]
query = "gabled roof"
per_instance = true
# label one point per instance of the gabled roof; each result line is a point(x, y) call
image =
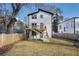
point(40, 10)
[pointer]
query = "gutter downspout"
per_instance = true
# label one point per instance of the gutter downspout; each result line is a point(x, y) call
point(74, 25)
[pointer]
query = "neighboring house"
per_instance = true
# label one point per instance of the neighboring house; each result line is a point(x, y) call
point(69, 26)
point(39, 20)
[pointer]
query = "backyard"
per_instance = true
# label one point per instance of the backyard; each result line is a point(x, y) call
point(56, 47)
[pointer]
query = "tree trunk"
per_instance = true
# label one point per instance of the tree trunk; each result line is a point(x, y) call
point(10, 26)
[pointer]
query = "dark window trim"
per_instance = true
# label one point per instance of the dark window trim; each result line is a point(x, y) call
point(34, 16)
point(34, 25)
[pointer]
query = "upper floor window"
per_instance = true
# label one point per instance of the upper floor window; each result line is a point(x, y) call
point(41, 16)
point(34, 25)
point(34, 16)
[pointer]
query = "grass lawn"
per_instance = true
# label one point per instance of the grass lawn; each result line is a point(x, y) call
point(38, 48)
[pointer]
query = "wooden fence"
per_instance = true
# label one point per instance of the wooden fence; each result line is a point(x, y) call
point(67, 36)
point(6, 39)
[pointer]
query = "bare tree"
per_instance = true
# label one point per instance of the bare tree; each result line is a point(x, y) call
point(16, 7)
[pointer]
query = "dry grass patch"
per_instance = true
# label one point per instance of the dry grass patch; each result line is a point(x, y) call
point(35, 48)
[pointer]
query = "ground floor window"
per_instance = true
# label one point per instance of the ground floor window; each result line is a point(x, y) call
point(64, 29)
point(33, 33)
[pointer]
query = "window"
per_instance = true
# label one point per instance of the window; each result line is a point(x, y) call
point(34, 16)
point(41, 25)
point(64, 29)
point(33, 33)
point(34, 25)
point(41, 16)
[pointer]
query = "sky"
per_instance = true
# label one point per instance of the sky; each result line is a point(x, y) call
point(69, 10)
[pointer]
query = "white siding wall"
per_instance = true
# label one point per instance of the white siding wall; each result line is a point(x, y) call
point(60, 30)
point(69, 26)
point(76, 25)
point(46, 20)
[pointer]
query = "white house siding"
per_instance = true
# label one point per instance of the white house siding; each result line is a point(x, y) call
point(46, 20)
point(76, 25)
point(68, 25)
point(60, 30)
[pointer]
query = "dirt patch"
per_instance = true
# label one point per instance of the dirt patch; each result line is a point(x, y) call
point(6, 48)
point(8, 40)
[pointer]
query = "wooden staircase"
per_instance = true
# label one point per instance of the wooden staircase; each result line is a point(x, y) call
point(41, 31)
